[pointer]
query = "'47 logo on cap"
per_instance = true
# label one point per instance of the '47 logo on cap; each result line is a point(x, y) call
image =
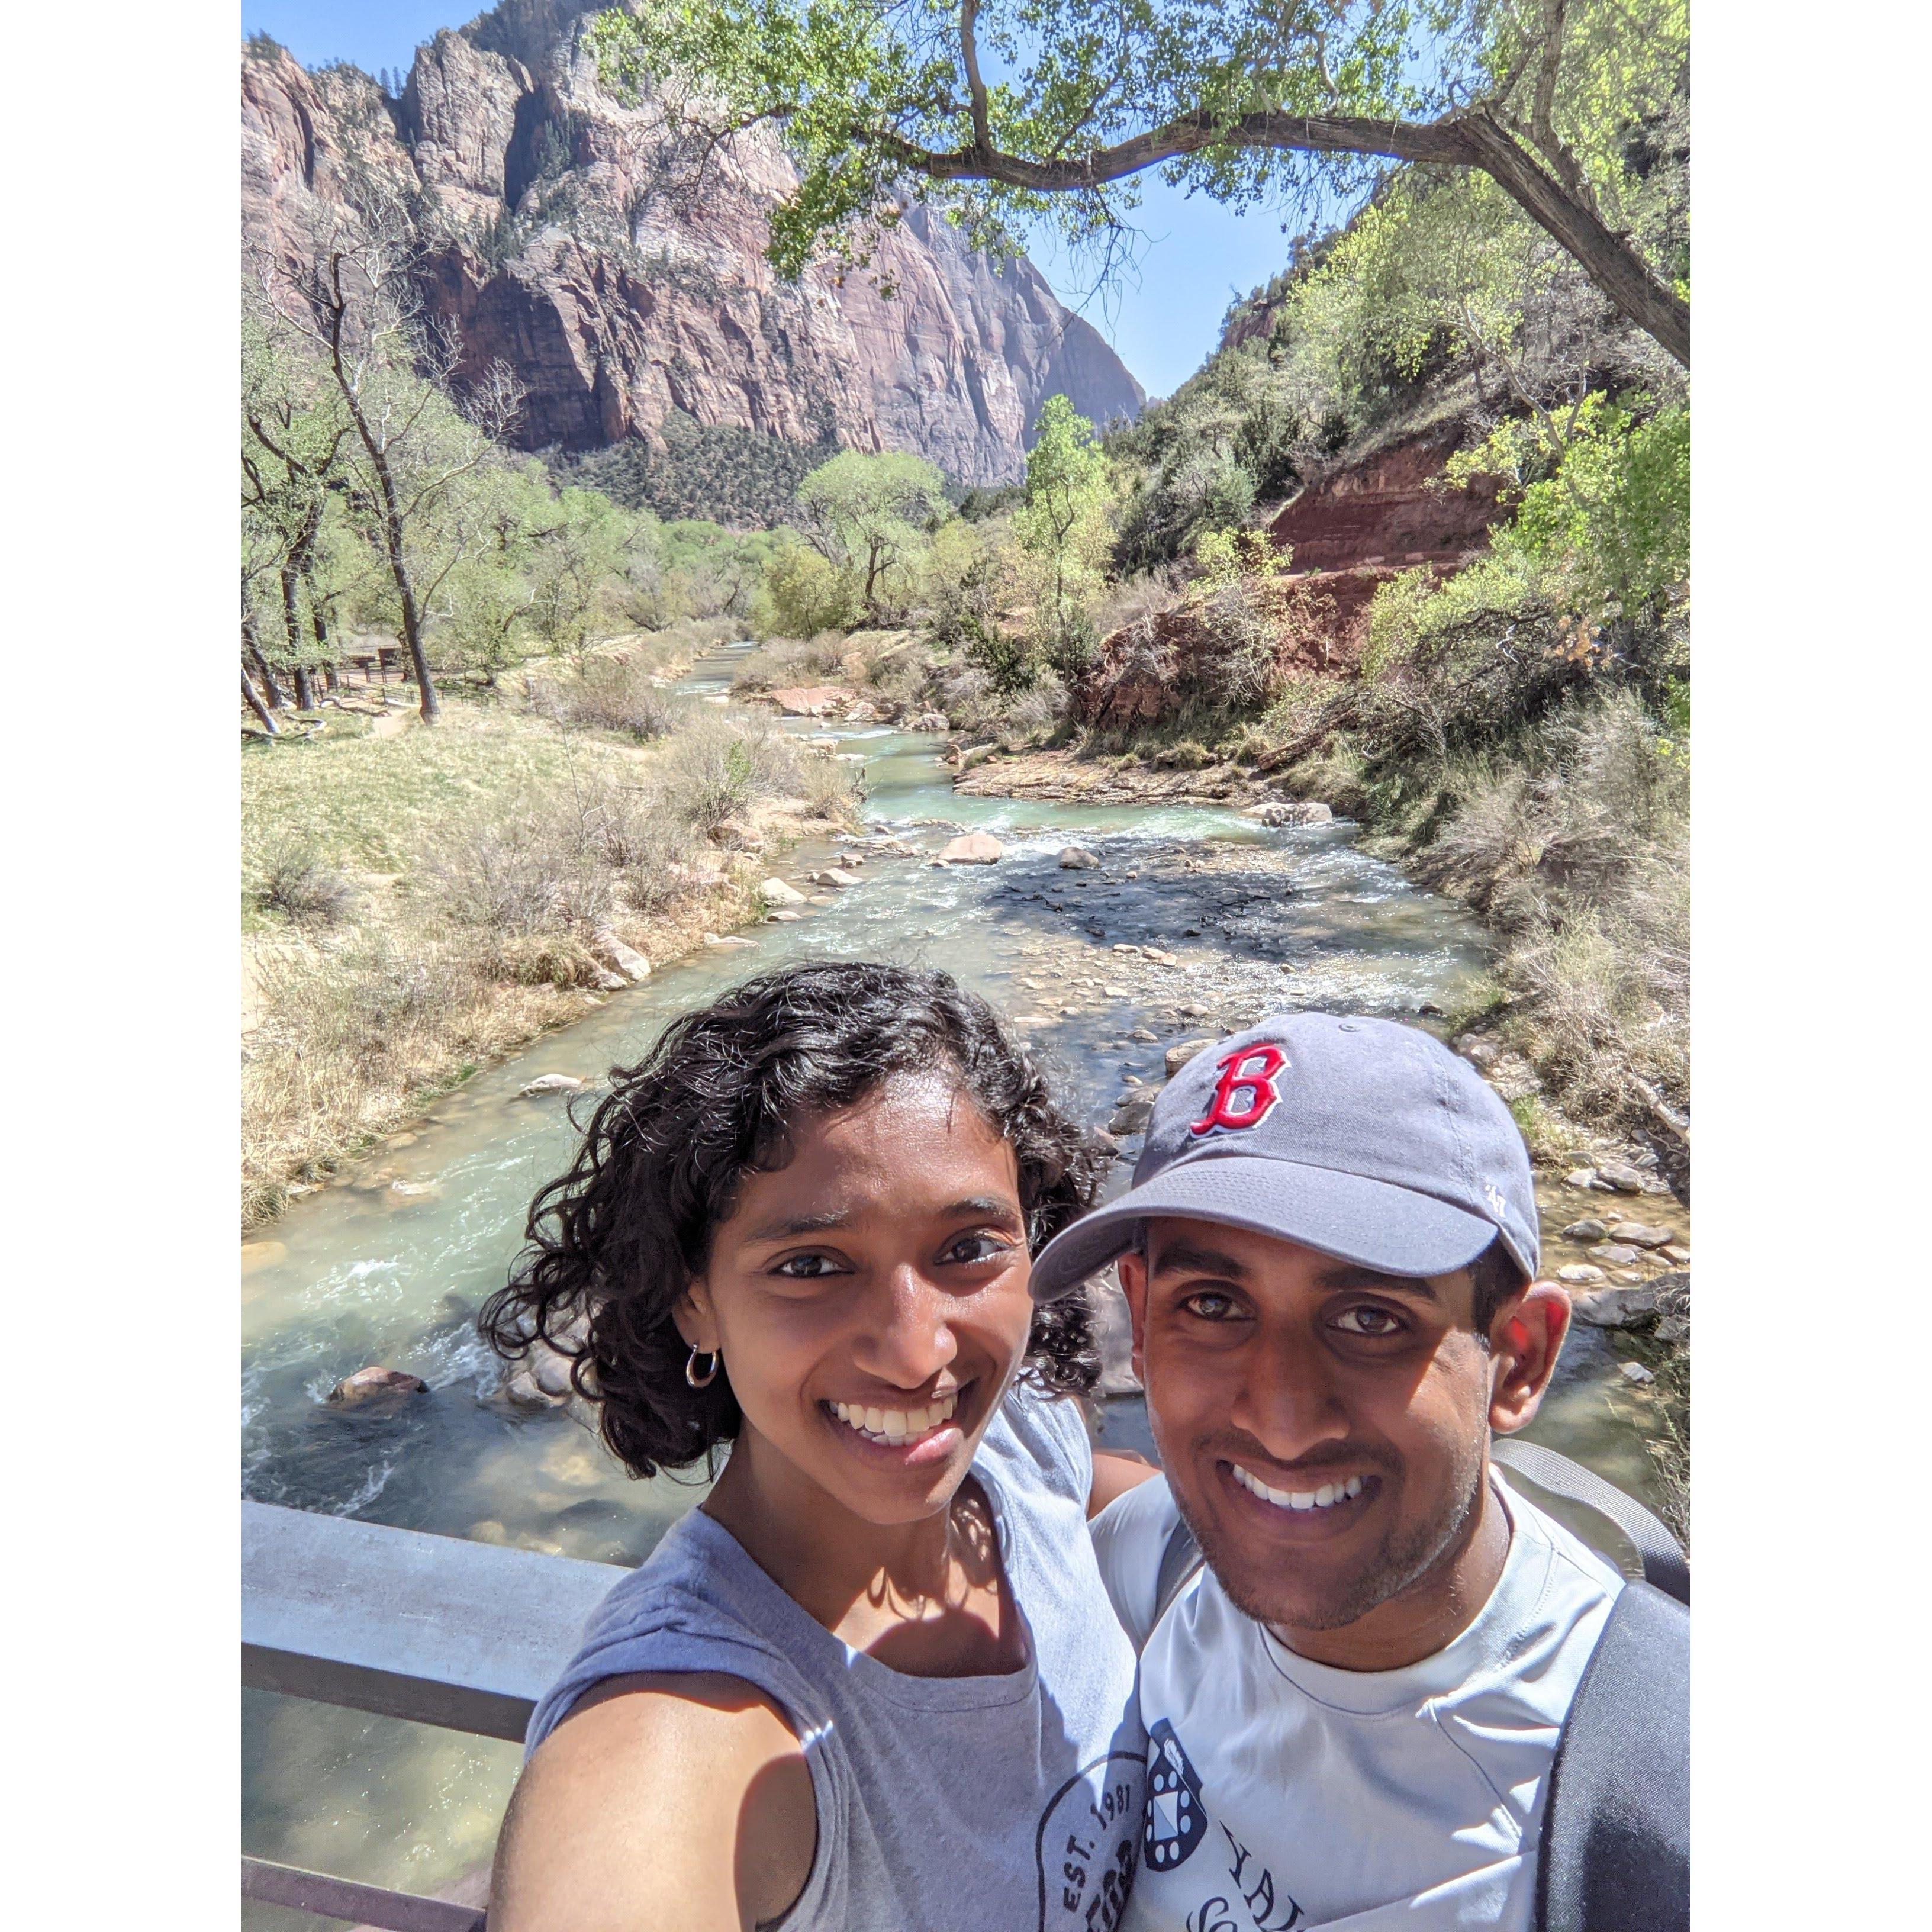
point(1245, 1093)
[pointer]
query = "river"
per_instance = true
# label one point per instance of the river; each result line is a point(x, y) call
point(391, 1264)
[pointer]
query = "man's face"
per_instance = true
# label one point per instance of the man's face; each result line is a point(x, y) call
point(1323, 1427)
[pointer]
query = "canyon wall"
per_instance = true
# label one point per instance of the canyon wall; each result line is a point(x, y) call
point(582, 241)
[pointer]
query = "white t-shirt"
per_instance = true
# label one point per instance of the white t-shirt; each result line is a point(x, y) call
point(1284, 1795)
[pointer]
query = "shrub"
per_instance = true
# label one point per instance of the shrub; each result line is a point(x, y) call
point(720, 766)
point(537, 866)
point(620, 694)
point(294, 881)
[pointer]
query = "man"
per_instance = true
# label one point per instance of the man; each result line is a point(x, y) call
point(1330, 1252)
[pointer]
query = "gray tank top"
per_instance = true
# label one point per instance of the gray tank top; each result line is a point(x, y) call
point(945, 1803)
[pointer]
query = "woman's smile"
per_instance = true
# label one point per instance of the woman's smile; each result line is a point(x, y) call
point(910, 1434)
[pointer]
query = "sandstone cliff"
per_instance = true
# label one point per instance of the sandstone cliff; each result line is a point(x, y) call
point(576, 239)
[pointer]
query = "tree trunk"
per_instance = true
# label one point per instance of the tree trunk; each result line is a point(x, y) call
point(292, 624)
point(405, 592)
point(255, 704)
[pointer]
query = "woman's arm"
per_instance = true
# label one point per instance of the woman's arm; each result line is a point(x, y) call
point(679, 1800)
point(1115, 1472)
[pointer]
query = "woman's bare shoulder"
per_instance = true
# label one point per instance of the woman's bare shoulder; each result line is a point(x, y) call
point(674, 1798)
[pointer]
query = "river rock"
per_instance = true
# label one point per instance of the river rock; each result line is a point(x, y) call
point(605, 981)
point(776, 892)
point(549, 1369)
point(1581, 1274)
point(1636, 1374)
point(812, 700)
point(1671, 1251)
point(1584, 1177)
point(1616, 1307)
point(620, 957)
point(367, 1384)
point(1177, 1057)
point(864, 712)
point(1279, 812)
point(1634, 1233)
point(831, 876)
point(1077, 859)
point(728, 942)
point(782, 914)
point(550, 1083)
point(929, 721)
point(975, 755)
point(1132, 1114)
point(1619, 1176)
point(521, 1388)
point(1612, 1254)
point(972, 848)
point(1586, 1230)
point(1142, 1034)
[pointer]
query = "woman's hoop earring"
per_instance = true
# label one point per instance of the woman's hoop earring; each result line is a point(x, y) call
point(710, 1375)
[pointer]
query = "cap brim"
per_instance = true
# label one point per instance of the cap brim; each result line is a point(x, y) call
point(1374, 1223)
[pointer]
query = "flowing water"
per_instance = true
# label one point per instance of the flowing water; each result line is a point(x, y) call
point(391, 1265)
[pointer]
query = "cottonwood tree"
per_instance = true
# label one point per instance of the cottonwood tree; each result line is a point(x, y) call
point(868, 514)
point(419, 431)
point(1062, 525)
point(1013, 109)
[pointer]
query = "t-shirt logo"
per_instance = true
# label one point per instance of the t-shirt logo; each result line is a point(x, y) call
point(1245, 1094)
point(1175, 1821)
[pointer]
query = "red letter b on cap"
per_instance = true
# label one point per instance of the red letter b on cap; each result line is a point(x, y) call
point(1248, 1075)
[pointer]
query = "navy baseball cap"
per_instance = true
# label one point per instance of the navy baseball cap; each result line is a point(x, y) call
point(1362, 1138)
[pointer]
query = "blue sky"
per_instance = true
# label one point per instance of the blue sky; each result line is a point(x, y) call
point(1162, 320)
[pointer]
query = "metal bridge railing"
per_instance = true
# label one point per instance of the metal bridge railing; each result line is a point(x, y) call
point(465, 1636)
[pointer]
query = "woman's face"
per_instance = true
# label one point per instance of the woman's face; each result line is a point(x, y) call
point(870, 1298)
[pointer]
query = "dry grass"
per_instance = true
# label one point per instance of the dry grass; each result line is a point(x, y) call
point(1579, 859)
point(491, 851)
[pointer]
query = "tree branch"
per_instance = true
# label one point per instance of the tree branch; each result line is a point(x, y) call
point(976, 88)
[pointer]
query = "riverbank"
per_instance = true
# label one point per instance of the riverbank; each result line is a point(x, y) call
point(419, 904)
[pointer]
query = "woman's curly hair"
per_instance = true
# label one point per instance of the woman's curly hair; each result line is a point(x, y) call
point(614, 1242)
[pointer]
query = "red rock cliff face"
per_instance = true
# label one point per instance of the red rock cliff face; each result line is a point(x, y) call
point(1379, 509)
point(566, 238)
point(1351, 530)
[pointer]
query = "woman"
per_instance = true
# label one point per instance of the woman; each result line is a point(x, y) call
point(872, 1683)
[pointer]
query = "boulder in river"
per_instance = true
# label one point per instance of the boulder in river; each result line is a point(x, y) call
point(1616, 1307)
point(864, 712)
point(929, 721)
point(550, 1083)
point(1131, 1115)
point(1584, 1177)
point(1581, 1274)
point(1634, 1233)
point(811, 700)
point(620, 957)
point(972, 848)
point(1612, 1254)
point(833, 877)
point(1620, 1177)
point(1275, 812)
point(1077, 859)
point(1177, 1057)
point(1587, 1229)
point(369, 1384)
point(776, 892)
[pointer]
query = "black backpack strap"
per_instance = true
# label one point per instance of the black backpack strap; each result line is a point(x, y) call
point(1179, 1560)
point(1616, 1853)
point(1664, 1564)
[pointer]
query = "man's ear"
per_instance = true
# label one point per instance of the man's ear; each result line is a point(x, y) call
point(1132, 1270)
point(692, 1314)
point(1526, 1339)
